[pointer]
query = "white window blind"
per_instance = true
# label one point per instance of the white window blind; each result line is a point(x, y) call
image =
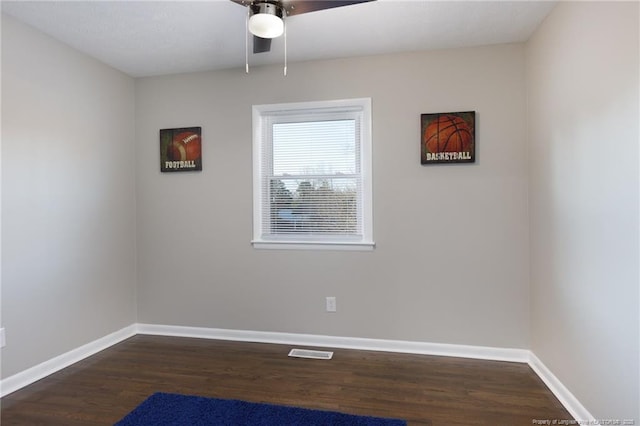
point(312, 177)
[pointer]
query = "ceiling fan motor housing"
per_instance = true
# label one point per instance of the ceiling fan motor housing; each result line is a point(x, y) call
point(268, 7)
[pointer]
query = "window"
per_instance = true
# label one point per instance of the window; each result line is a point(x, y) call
point(312, 175)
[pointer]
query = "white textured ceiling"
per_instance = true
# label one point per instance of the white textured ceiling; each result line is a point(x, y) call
point(144, 38)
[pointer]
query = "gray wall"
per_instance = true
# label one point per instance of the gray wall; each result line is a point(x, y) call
point(451, 263)
point(68, 201)
point(583, 120)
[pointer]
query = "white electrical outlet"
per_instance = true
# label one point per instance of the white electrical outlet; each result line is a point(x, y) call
point(3, 342)
point(331, 304)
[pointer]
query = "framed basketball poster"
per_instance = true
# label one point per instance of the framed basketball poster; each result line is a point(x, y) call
point(181, 149)
point(448, 137)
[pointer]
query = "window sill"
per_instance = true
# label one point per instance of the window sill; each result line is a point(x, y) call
point(313, 245)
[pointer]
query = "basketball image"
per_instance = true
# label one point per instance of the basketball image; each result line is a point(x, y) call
point(185, 146)
point(448, 137)
point(448, 133)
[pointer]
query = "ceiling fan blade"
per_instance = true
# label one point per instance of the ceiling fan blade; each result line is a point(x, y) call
point(261, 44)
point(297, 7)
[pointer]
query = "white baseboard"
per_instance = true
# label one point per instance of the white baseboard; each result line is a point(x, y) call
point(400, 346)
point(40, 371)
point(566, 398)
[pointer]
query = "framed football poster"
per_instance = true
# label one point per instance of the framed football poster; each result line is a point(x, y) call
point(181, 149)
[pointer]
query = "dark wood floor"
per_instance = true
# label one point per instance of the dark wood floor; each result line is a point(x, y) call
point(424, 390)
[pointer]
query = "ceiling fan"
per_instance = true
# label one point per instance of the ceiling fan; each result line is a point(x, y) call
point(266, 17)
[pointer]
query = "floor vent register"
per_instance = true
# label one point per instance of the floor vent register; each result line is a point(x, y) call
point(306, 353)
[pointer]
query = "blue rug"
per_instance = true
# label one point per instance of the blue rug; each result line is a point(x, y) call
point(166, 409)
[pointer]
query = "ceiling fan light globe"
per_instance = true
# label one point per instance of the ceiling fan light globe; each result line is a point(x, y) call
point(265, 25)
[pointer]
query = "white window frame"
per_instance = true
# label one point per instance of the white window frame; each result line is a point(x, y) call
point(347, 107)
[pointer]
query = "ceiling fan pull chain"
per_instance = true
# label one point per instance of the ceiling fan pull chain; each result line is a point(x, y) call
point(285, 48)
point(246, 43)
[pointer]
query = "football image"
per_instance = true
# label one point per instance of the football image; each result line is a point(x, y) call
point(185, 146)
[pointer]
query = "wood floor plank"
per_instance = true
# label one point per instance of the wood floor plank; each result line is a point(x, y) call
point(424, 390)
